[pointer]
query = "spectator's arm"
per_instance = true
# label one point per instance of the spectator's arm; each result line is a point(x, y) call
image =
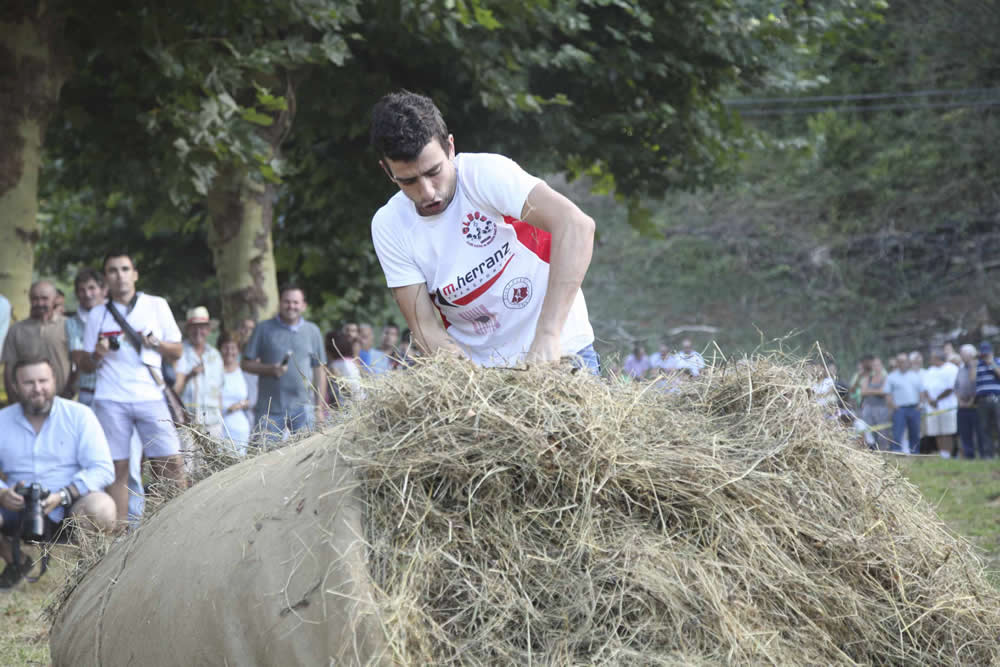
point(93, 456)
point(170, 351)
point(319, 383)
point(572, 233)
point(423, 319)
point(256, 367)
point(994, 367)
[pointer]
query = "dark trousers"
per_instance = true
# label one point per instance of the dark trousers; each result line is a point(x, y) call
point(906, 419)
point(988, 409)
point(968, 424)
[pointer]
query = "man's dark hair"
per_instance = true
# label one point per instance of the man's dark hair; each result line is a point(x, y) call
point(21, 363)
point(288, 287)
point(87, 274)
point(403, 123)
point(120, 252)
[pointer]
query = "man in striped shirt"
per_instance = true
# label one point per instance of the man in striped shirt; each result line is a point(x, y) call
point(987, 399)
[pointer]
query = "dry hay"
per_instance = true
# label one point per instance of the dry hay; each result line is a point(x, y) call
point(545, 517)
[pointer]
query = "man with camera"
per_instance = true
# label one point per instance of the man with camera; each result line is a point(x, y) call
point(55, 462)
point(123, 343)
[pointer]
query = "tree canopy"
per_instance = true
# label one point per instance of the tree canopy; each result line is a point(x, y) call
point(165, 100)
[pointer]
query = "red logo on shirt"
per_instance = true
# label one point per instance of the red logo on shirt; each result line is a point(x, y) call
point(479, 230)
point(517, 293)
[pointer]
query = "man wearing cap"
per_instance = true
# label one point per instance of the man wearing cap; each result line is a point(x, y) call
point(987, 376)
point(200, 373)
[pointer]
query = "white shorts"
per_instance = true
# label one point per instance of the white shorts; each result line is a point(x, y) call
point(151, 420)
point(945, 423)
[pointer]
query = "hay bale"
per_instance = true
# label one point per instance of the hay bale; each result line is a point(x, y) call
point(518, 517)
point(515, 516)
point(259, 564)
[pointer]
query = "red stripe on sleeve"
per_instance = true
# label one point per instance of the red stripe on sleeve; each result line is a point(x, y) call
point(534, 239)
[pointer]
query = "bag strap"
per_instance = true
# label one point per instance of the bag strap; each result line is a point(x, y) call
point(133, 336)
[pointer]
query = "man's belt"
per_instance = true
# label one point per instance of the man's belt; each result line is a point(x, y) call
point(911, 405)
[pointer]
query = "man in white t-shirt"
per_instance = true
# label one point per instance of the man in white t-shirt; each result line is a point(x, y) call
point(942, 402)
point(127, 395)
point(482, 258)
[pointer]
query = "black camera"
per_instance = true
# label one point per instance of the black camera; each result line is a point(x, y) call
point(113, 343)
point(33, 517)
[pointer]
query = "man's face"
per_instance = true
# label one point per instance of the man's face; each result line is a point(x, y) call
point(246, 329)
point(686, 346)
point(198, 333)
point(89, 294)
point(903, 363)
point(429, 181)
point(291, 306)
point(390, 336)
point(366, 337)
point(120, 276)
point(36, 388)
point(916, 360)
point(43, 299)
point(352, 331)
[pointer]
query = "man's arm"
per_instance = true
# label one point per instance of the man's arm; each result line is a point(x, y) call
point(572, 233)
point(423, 319)
point(170, 351)
point(256, 367)
point(93, 456)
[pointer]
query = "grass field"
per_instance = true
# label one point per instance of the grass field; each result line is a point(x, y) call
point(966, 495)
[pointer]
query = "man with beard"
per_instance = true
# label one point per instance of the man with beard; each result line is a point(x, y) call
point(41, 336)
point(58, 444)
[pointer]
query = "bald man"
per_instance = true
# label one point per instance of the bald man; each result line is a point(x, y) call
point(41, 336)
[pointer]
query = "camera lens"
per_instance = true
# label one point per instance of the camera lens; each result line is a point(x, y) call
point(113, 343)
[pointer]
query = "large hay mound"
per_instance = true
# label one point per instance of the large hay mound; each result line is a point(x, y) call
point(540, 516)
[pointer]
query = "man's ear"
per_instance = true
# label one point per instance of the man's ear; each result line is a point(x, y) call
point(451, 146)
point(386, 169)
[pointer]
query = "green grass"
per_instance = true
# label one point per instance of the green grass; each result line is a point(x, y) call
point(966, 495)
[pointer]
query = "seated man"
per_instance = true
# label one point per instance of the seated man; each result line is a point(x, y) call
point(60, 445)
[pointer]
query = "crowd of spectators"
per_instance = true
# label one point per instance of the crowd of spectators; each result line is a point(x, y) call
point(89, 395)
point(950, 406)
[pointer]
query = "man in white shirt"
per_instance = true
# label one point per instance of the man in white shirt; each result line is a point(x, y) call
point(129, 391)
point(483, 259)
point(690, 358)
point(942, 403)
point(58, 444)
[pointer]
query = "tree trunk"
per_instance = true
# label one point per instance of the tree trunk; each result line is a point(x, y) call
point(242, 213)
point(30, 79)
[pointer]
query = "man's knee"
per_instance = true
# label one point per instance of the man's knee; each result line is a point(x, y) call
point(99, 509)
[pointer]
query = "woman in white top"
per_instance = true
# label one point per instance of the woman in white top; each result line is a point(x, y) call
point(234, 394)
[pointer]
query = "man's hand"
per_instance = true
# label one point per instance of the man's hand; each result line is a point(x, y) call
point(151, 341)
point(101, 350)
point(544, 349)
point(51, 502)
point(277, 370)
point(11, 500)
point(197, 370)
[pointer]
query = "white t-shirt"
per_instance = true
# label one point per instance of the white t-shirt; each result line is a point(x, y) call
point(122, 376)
point(486, 270)
point(936, 380)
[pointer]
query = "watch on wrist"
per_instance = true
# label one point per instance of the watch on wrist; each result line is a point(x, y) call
point(64, 498)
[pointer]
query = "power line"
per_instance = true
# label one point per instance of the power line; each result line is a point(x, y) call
point(787, 111)
point(752, 101)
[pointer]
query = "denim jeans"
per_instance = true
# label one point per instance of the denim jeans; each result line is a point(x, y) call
point(968, 424)
point(988, 411)
point(906, 419)
point(589, 359)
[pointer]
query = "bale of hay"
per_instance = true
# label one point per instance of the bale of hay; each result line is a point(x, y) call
point(536, 517)
point(261, 563)
point(539, 516)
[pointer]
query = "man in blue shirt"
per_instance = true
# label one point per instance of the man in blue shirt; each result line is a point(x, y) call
point(905, 385)
point(988, 399)
point(58, 444)
point(288, 355)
